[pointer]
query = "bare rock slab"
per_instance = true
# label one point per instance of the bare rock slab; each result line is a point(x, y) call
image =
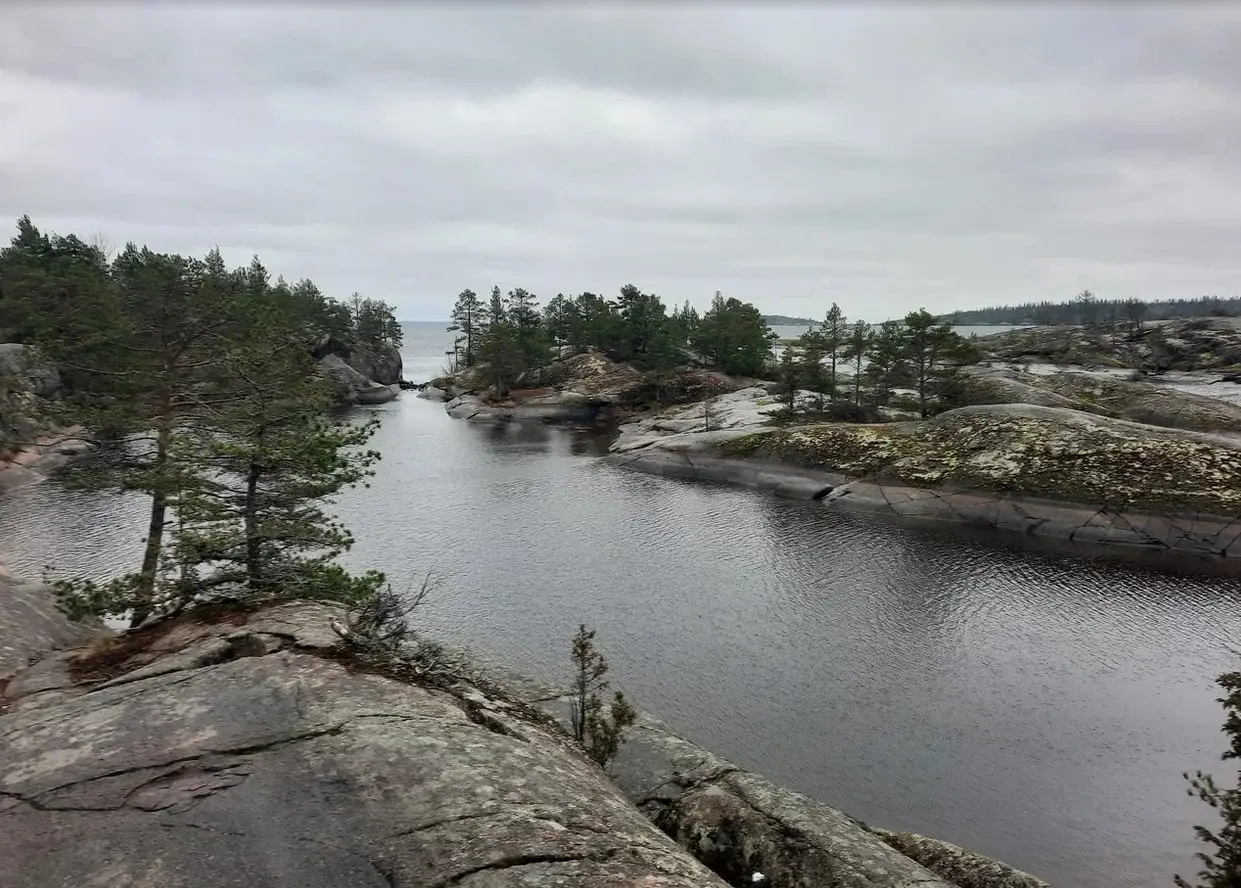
point(286, 766)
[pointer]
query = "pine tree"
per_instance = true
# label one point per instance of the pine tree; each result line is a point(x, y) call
point(856, 349)
point(834, 333)
point(275, 454)
point(528, 331)
point(733, 335)
point(469, 318)
point(812, 375)
point(887, 361)
point(931, 351)
point(790, 368)
point(1222, 865)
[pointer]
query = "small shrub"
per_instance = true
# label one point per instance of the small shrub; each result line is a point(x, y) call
point(379, 628)
point(599, 732)
point(1221, 868)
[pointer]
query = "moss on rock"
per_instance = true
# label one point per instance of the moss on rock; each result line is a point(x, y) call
point(1036, 452)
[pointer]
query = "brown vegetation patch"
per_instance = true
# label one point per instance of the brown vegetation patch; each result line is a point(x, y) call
point(112, 656)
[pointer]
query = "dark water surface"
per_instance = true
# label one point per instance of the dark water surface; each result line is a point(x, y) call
point(1026, 705)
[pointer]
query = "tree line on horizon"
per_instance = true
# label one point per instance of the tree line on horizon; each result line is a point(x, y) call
point(508, 334)
point(855, 368)
point(197, 382)
point(1087, 309)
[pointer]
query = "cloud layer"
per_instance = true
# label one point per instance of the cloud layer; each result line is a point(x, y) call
point(885, 157)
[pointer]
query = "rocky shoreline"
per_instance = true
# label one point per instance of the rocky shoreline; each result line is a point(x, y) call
point(1081, 455)
point(288, 760)
point(33, 445)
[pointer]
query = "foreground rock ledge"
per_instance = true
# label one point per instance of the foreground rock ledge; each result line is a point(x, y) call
point(242, 753)
point(247, 748)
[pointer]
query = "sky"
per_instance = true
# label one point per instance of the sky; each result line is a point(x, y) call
point(886, 157)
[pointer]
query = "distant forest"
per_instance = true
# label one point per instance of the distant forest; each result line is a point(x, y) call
point(1086, 309)
point(786, 321)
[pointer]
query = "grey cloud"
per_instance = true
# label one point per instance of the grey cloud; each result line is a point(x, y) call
point(886, 157)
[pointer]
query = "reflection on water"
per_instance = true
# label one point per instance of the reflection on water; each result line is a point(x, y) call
point(1031, 706)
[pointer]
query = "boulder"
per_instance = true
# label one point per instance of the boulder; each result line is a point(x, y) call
point(248, 749)
point(350, 385)
point(431, 393)
point(963, 868)
point(20, 362)
point(31, 625)
point(379, 362)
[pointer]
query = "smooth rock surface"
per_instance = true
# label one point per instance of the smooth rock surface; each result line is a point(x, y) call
point(31, 625)
point(964, 868)
point(244, 754)
point(18, 361)
point(351, 386)
point(739, 823)
point(1104, 394)
point(379, 363)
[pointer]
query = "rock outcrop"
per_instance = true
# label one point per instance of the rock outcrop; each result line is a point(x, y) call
point(1046, 471)
point(361, 373)
point(20, 363)
point(246, 749)
point(31, 625)
point(1104, 394)
point(31, 444)
point(251, 747)
point(379, 362)
point(351, 386)
point(740, 823)
point(1183, 344)
point(581, 388)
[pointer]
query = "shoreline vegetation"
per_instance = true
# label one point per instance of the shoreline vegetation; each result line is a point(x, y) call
point(1097, 434)
point(211, 391)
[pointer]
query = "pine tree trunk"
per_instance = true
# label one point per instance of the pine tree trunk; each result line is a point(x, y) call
point(145, 591)
point(254, 560)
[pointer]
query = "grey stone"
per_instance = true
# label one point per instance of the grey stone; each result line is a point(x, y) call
point(351, 386)
point(431, 393)
point(964, 868)
point(21, 362)
point(294, 770)
point(379, 363)
point(31, 625)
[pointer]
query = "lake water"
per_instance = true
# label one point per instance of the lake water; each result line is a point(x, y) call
point(1026, 705)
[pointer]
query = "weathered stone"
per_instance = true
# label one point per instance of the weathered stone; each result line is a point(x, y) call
point(293, 769)
point(31, 624)
point(18, 361)
point(1102, 393)
point(379, 363)
point(1050, 472)
point(739, 823)
point(963, 868)
point(1182, 344)
point(351, 386)
point(431, 393)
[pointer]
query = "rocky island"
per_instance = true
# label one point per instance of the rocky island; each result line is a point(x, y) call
point(1093, 435)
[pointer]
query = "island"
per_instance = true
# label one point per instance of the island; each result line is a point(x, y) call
point(1120, 434)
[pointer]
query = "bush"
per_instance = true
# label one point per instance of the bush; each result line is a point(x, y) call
point(600, 733)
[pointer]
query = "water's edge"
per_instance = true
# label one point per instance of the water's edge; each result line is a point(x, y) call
point(1208, 543)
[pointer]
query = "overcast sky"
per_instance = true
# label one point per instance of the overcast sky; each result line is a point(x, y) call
point(887, 157)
